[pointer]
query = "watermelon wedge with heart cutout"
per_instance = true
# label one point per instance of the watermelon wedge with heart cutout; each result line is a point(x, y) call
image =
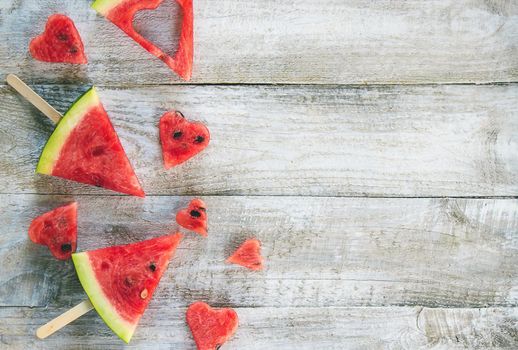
point(248, 255)
point(181, 139)
point(120, 280)
point(122, 14)
point(57, 229)
point(85, 148)
point(194, 217)
point(210, 327)
point(60, 42)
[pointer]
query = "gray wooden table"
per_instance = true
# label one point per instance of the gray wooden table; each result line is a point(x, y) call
point(372, 146)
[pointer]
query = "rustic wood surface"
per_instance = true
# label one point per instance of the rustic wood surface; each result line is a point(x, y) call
point(285, 140)
point(319, 251)
point(284, 328)
point(290, 41)
point(370, 145)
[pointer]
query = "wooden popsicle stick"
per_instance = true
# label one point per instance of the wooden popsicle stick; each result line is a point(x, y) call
point(31, 96)
point(64, 319)
point(49, 111)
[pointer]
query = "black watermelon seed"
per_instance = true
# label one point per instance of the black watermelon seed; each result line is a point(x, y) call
point(177, 134)
point(73, 49)
point(195, 214)
point(66, 247)
point(97, 151)
point(152, 267)
point(62, 37)
point(199, 139)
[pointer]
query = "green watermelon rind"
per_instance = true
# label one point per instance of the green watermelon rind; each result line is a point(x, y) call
point(105, 6)
point(99, 300)
point(64, 128)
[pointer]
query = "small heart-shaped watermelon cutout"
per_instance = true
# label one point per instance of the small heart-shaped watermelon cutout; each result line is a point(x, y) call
point(60, 42)
point(248, 255)
point(194, 217)
point(57, 229)
point(210, 327)
point(180, 138)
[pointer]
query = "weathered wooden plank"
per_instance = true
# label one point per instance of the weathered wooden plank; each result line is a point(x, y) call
point(296, 41)
point(319, 251)
point(285, 140)
point(283, 328)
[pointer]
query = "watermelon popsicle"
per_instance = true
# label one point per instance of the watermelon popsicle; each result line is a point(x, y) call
point(84, 146)
point(119, 282)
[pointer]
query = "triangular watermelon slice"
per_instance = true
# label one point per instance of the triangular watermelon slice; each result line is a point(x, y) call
point(85, 148)
point(120, 280)
point(122, 13)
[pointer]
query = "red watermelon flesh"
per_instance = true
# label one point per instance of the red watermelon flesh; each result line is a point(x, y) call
point(248, 255)
point(85, 148)
point(57, 229)
point(194, 217)
point(210, 327)
point(181, 139)
point(120, 280)
point(122, 14)
point(96, 158)
point(60, 42)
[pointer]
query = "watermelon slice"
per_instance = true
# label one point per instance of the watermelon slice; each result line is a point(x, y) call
point(120, 280)
point(210, 327)
point(194, 217)
point(60, 42)
point(180, 138)
point(122, 14)
point(57, 229)
point(85, 148)
point(248, 255)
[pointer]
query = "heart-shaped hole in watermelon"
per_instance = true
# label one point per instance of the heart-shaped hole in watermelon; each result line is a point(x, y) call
point(161, 26)
point(122, 13)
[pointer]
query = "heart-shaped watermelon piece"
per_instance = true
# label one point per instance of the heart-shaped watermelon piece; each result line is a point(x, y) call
point(57, 229)
point(211, 327)
point(248, 255)
point(60, 42)
point(194, 217)
point(181, 139)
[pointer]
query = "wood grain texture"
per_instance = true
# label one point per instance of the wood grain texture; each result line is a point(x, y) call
point(283, 328)
point(319, 252)
point(295, 41)
point(289, 164)
point(321, 141)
